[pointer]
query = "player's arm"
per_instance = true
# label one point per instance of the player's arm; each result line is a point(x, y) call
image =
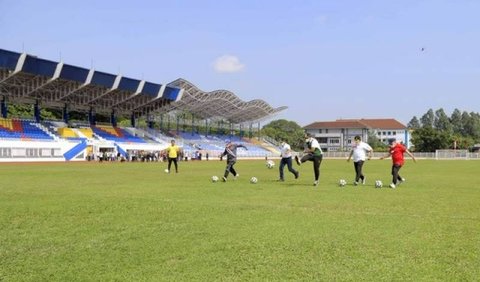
point(370, 154)
point(386, 156)
point(350, 155)
point(411, 155)
point(223, 154)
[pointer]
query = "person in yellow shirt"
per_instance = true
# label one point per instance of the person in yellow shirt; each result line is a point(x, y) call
point(172, 154)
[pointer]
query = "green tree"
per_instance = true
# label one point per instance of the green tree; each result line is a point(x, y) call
point(438, 131)
point(428, 139)
point(442, 122)
point(286, 130)
point(125, 122)
point(471, 125)
point(26, 111)
point(456, 121)
point(20, 111)
point(463, 142)
point(428, 119)
point(414, 123)
point(375, 143)
point(465, 122)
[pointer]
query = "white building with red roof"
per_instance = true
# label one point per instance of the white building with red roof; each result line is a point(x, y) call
point(338, 135)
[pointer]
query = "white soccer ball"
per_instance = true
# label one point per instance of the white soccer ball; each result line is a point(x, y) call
point(166, 170)
point(342, 182)
point(270, 164)
point(214, 178)
point(253, 180)
point(378, 184)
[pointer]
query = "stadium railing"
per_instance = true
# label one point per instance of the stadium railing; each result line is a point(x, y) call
point(418, 155)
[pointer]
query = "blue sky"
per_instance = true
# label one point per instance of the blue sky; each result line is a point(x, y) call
point(323, 59)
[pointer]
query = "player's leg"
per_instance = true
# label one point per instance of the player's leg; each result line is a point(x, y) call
point(317, 160)
point(307, 157)
point(176, 165)
point(290, 167)
point(232, 170)
point(399, 178)
point(227, 170)
point(395, 169)
point(280, 169)
point(357, 172)
point(169, 163)
point(297, 160)
point(360, 171)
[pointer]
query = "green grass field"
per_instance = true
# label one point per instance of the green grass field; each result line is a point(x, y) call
point(133, 222)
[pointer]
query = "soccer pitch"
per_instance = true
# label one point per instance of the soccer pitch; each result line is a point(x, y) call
point(134, 222)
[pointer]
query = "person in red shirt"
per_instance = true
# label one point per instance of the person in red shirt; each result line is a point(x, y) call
point(396, 151)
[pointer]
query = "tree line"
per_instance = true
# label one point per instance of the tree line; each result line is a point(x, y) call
point(436, 130)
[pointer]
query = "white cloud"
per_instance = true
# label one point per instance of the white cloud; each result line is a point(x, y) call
point(228, 64)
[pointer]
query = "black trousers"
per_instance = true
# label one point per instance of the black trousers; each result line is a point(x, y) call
point(317, 160)
point(358, 170)
point(395, 173)
point(174, 160)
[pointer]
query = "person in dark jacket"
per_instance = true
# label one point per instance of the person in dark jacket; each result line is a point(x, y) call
point(231, 153)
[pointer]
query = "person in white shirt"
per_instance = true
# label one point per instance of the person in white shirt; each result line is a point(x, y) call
point(359, 152)
point(286, 154)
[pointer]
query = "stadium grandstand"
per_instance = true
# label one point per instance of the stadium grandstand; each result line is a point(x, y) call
point(28, 80)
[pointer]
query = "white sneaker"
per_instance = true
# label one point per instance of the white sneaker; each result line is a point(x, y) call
point(236, 176)
point(364, 180)
point(355, 183)
point(315, 183)
point(392, 186)
point(224, 179)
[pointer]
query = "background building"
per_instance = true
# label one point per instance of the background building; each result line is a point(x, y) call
point(338, 135)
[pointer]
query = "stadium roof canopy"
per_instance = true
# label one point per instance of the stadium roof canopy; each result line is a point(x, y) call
point(28, 79)
point(219, 104)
